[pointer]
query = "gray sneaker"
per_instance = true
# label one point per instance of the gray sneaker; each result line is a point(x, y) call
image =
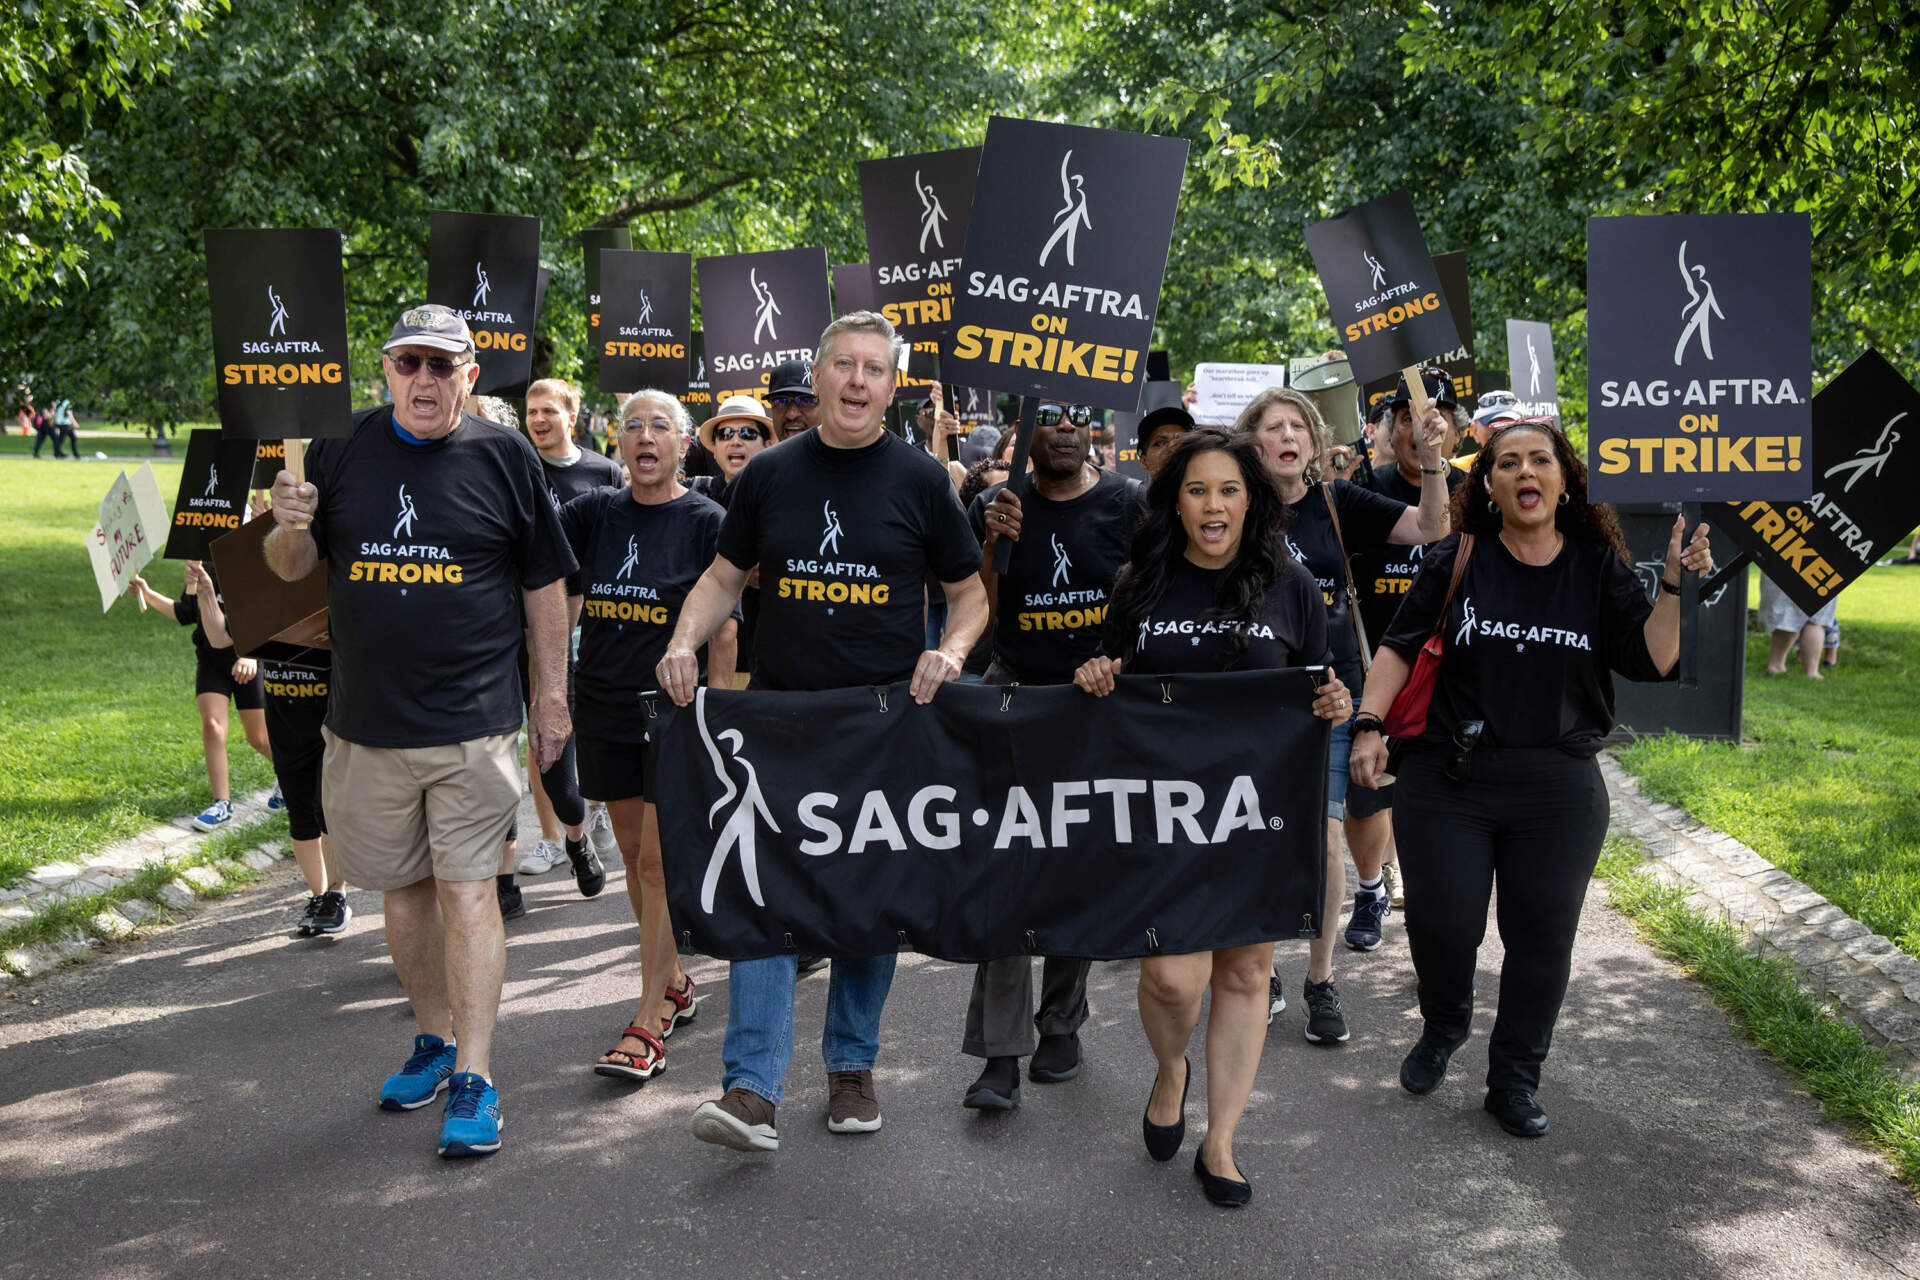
point(600, 831)
point(542, 858)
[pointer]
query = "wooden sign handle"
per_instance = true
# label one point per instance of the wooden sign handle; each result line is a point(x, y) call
point(296, 462)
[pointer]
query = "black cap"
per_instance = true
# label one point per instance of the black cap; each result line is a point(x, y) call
point(791, 377)
point(1439, 389)
point(1152, 422)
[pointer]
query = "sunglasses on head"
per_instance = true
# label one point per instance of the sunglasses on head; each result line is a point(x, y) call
point(745, 432)
point(786, 399)
point(1050, 415)
point(439, 366)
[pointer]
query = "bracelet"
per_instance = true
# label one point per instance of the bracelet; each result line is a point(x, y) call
point(1365, 722)
point(1434, 471)
point(1671, 588)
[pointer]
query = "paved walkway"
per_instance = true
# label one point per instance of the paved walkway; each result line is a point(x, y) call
point(200, 1104)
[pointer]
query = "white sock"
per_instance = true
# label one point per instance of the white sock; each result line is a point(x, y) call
point(1375, 887)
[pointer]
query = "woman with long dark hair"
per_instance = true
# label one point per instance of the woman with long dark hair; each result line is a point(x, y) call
point(1536, 606)
point(1212, 549)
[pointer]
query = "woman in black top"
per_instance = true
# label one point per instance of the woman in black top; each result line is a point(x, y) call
point(1212, 548)
point(1502, 785)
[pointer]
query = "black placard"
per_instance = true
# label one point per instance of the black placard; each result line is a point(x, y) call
point(1699, 357)
point(1532, 373)
point(1158, 394)
point(1025, 843)
point(853, 289)
point(213, 493)
point(1066, 248)
point(486, 266)
point(917, 208)
point(1388, 301)
point(269, 460)
point(759, 310)
point(699, 398)
point(592, 241)
point(646, 320)
point(279, 305)
point(1866, 489)
point(1457, 364)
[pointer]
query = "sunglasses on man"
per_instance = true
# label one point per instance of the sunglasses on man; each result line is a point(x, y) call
point(793, 400)
point(746, 433)
point(408, 364)
point(1050, 415)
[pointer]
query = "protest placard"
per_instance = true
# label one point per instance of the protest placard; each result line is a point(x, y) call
point(1458, 364)
point(1531, 370)
point(486, 266)
point(1223, 390)
point(646, 319)
point(917, 209)
point(128, 534)
point(1059, 302)
point(759, 310)
point(699, 398)
point(853, 289)
point(279, 313)
point(1388, 301)
point(1699, 357)
point(592, 241)
point(267, 616)
point(212, 499)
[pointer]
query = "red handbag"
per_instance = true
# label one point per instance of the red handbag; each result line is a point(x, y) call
point(1407, 717)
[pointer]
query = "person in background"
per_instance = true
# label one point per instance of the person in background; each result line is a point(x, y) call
point(1787, 624)
point(978, 446)
point(1157, 433)
point(64, 427)
point(791, 403)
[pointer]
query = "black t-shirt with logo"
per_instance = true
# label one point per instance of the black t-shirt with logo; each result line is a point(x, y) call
point(568, 480)
point(1366, 521)
point(637, 561)
point(1384, 573)
point(1052, 600)
point(296, 700)
point(1178, 636)
point(844, 539)
point(428, 547)
point(1529, 649)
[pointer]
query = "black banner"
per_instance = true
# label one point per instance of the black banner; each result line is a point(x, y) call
point(1866, 481)
point(916, 210)
point(1066, 249)
point(486, 266)
point(994, 821)
point(853, 289)
point(1388, 302)
point(592, 241)
point(213, 493)
point(1534, 377)
point(279, 302)
point(1458, 364)
point(1699, 357)
point(758, 311)
point(646, 318)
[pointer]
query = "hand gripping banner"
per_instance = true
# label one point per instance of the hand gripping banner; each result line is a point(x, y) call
point(1181, 814)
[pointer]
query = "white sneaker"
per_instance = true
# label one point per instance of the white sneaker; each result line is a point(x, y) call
point(600, 831)
point(542, 858)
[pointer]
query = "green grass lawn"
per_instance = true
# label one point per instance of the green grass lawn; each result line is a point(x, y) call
point(98, 733)
point(115, 439)
point(1825, 784)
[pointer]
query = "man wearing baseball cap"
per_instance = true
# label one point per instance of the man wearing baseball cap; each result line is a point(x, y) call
point(436, 531)
point(791, 399)
point(1155, 434)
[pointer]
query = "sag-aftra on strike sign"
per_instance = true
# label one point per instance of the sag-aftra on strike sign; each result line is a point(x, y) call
point(1699, 347)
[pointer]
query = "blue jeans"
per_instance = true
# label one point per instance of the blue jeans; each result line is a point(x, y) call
point(759, 1043)
point(1339, 752)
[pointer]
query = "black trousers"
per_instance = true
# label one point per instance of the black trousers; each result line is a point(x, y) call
point(1531, 821)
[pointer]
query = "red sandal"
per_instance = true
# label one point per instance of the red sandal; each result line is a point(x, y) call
point(686, 1006)
point(642, 1066)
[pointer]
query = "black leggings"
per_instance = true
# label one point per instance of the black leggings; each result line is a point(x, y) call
point(559, 780)
point(1531, 820)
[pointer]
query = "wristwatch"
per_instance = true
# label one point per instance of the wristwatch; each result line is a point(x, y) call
point(1434, 471)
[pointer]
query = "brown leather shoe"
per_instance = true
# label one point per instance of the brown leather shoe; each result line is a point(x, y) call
point(851, 1105)
point(741, 1119)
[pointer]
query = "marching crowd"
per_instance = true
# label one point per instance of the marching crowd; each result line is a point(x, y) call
point(1477, 610)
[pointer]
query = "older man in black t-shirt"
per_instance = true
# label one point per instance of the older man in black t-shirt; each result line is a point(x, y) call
point(437, 530)
point(844, 524)
point(1070, 536)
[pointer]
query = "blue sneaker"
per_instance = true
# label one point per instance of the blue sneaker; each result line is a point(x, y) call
point(472, 1126)
point(217, 815)
point(276, 802)
point(1369, 915)
point(424, 1075)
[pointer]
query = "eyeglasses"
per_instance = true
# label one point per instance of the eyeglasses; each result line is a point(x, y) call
point(748, 434)
point(439, 366)
point(658, 425)
point(789, 400)
point(1049, 415)
point(1465, 739)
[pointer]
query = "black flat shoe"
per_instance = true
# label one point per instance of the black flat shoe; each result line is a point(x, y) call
point(997, 1089)
point(1425, 1066)
point(1163, 1140)
point(1224, 1192)
point(1517, 1112)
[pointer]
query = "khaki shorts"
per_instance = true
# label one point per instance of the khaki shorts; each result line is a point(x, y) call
point(401, 815)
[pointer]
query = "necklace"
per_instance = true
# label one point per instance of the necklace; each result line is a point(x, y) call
point(1559, 541)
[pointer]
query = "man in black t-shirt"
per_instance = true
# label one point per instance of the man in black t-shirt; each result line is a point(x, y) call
point(437, 532)
point(844, 523)
point(1070, 536)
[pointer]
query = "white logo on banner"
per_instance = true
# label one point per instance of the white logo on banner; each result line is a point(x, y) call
point(277, 322)
point(1700, 305)
point(633, 558)
point(831, 538)
point(1872, 458)
point(1061, 563)
point(1465, 634)
point(481, 285)
point(213, 480)
point(1379, 270)
point(932, 214)
point(1073, 212)
point(403, 527)
point(1533, 368)
point(646, 308)
point(739, 829)
point(763, 298)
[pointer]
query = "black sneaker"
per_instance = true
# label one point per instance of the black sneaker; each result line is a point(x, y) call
point(1425, 1066)
point(1276, 998)
point(587, 871)
point(1057, 1059)
point(310, 918)
point(334, 912)
point(1325, 1023)
point(513, 903)
point(997, 1089)
point(1369, 914)
point(1517, 1111)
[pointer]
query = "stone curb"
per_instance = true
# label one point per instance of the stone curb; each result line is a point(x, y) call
point(1872, 983)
